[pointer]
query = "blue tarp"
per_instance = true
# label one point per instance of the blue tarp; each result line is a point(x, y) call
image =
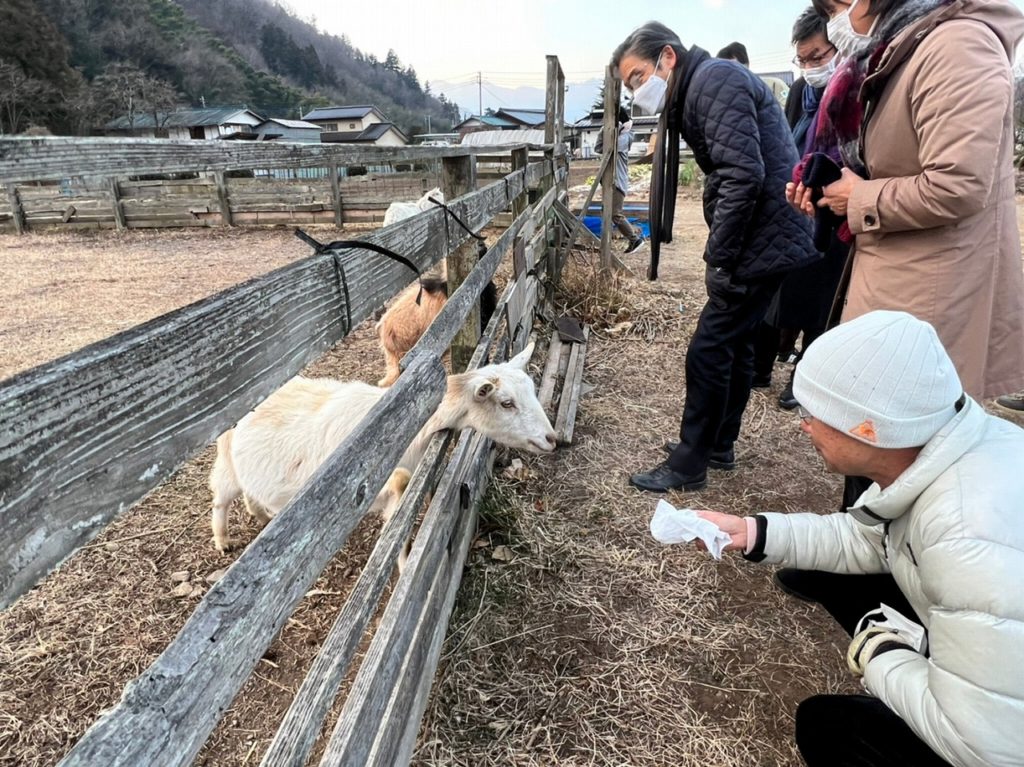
point(593, 223)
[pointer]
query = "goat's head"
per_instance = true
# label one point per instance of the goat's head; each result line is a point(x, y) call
point(424, 201)
point(500, 402)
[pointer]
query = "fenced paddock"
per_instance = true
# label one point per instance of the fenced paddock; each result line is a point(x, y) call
point(89, 434)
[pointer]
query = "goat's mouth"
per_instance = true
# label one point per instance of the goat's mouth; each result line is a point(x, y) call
point(539, 446)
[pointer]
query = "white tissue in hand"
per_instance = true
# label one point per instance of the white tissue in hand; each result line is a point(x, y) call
point(672, 525)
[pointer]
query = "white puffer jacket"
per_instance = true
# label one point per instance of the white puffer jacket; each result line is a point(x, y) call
point(955, 545)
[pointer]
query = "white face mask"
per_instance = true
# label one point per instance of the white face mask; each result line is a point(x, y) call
point(843, 36)
point(818, 77)
point(649, 98)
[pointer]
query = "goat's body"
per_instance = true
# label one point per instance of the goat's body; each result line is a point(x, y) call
point(398, 211)
point(275, 449)
point(403, 324)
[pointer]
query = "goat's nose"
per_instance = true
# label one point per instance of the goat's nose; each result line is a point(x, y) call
point(552, 439)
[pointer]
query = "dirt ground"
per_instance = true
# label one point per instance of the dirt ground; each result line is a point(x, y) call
point(595, 645)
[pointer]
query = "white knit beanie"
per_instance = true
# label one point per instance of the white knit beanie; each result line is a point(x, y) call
point(883, 378)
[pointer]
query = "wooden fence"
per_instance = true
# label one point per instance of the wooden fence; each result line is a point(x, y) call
point(87, 435)
point(235, 187)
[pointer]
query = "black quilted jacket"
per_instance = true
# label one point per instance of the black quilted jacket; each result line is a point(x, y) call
point(740, 139)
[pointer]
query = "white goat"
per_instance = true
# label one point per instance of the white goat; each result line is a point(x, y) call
point(277, 447)
point(400, 210)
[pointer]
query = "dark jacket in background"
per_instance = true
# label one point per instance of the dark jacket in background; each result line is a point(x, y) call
point(740, 139)
point(794, 110)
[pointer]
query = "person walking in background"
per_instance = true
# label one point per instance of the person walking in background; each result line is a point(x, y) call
point(741, 142)
point(805, 297)
point(634, 237)
point(933, 213)
point(938, 539)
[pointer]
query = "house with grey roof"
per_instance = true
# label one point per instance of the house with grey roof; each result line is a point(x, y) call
point(346, 119)
point(356, 125)
point(209, 123)
point(279, 129)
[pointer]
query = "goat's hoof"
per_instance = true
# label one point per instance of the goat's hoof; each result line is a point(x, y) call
point(224, 545)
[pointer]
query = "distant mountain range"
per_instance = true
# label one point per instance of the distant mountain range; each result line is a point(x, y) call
point(578, 99)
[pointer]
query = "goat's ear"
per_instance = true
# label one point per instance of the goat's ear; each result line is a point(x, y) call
point(483, 390)
point(522, 359)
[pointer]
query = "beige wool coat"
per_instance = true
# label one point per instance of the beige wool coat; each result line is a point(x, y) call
point(936, 224)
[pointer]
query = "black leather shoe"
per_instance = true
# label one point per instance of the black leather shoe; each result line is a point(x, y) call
point(723, 460)
point(786, 399)
point(761, 383)
point(663, 478)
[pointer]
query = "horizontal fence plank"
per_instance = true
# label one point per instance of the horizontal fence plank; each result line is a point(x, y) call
point(354, 734)
point(165, 715)
point(50, 157)
point(89, 434)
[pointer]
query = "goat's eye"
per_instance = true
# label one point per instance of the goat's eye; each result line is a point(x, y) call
point(508, 404)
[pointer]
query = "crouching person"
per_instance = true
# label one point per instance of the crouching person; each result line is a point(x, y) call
point(938, 537)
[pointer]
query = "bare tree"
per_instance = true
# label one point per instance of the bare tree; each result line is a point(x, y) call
point(22, 98)
point(125, 90)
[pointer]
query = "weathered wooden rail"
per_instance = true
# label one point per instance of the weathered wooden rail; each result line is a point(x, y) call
point(226, 185)
point(87, 435)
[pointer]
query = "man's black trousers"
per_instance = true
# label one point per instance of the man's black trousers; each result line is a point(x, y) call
point(854, 730)
point(719, 371)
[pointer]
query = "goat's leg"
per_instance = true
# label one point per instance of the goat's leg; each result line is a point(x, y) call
point(256, 511)
point(226, 489)
point(391, 369)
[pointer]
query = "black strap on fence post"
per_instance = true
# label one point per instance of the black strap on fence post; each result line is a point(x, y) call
point(336, 245)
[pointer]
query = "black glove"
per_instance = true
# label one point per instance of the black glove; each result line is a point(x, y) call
point(820, 171)
point(722, 286)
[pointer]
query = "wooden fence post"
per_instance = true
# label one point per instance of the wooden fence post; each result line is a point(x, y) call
point(520, 159)
point(115, 203)
point(610, 140)
point(458, 177)
point(222, 198)
point(336, 193)
point(17, 212)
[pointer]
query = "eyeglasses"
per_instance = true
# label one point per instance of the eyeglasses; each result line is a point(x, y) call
point(804, 415)
point(814, 61)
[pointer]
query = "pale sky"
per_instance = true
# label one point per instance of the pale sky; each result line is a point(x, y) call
point(452, 40)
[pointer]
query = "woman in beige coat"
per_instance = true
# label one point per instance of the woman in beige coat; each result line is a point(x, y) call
point(935, 221)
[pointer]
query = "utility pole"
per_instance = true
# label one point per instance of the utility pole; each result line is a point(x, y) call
point(428, 122)
point(480, 92)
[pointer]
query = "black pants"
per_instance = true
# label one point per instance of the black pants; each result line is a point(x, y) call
point(719, 370)
point(858, 731)
point(854, 730)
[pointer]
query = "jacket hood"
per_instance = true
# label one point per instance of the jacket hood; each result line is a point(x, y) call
point(1001, 16)
point(962, 433)
point(1004, 19)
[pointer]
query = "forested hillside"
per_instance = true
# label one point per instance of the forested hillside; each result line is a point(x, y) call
point(71, 65)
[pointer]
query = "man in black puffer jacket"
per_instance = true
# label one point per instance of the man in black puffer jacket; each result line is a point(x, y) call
point(742, 142)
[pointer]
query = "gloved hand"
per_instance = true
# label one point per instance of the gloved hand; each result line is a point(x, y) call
point(870, 643)
point(720, 284)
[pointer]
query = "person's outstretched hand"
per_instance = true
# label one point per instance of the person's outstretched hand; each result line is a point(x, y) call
point(735, 526)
